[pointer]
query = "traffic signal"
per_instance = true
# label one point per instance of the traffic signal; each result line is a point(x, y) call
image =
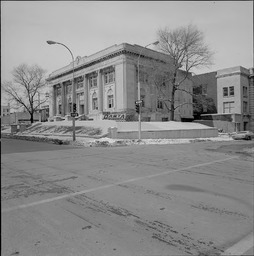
point(137, 108)
point(74, 108)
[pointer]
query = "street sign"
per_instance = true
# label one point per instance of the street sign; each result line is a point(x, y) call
point(138, 101)
point(74, 114)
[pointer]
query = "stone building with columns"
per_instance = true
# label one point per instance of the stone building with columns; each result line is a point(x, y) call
point(106, 86)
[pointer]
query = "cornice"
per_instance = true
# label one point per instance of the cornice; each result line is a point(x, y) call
point(232, 74)
point(122, 51)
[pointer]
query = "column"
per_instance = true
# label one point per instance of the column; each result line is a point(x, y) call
point(100, 91)
point(62, 100)
point(86, 95)
point(251, 99)
point(53, 102)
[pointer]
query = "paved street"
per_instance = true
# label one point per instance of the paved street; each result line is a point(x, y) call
point(187, 199)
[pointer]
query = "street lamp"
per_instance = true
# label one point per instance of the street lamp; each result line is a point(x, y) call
point(73, 87)
point(139, 99)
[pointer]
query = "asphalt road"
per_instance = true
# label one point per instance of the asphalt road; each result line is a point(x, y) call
point(188, 199)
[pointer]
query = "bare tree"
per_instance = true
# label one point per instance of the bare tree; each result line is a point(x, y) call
point(24, 90)
point(186, 50)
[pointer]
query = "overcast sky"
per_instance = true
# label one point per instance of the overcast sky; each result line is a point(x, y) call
point(87, 27)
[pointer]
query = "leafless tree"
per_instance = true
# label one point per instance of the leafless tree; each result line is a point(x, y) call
point(24, 89)
point(186, 50)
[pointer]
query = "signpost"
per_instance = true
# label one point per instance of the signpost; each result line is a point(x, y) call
point(138, 101)
point(74, 114)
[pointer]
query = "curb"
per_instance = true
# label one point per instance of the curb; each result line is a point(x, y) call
point(34, 138)
point(241, 247)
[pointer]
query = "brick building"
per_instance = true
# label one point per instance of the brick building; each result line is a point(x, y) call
point(233, 91)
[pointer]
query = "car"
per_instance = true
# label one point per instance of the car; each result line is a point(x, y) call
point(243, 135)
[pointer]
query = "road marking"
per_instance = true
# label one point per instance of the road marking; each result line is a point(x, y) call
point(241, 247)
point(111, 185)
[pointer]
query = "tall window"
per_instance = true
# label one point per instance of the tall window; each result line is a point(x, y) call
point(69, 88)
point(70, 105)
point(228, 107)
point(204, 89)
point(94, 101)
point(231, 91)
point(143, 77)
point(245, 91)
point(245, 107)
point(109, 77)
point(93, 81)
point(159, 104)
point(58, 91)
point(225, 91)
point(110, 99)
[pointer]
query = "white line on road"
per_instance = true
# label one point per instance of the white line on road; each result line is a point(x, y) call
point(111, 185)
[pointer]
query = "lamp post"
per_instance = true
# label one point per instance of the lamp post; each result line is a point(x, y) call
point(139, 96)
point(73, 87)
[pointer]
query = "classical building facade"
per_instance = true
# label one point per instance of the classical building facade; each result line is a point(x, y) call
point(233, 91)
point(106, 86)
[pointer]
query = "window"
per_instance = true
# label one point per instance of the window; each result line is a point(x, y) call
point(228, 107)
point(58, 91)
point(245, 107)
point(94, 101)
point(109, 77)
point(204, 89)
point(69, 88)
point(93, 81)
point(80, 98)
point(231, 91)
point(70, 105)
point(159, 104)
point(80, 85)
point(225, 91)
point(143, 77)
point(245, 91)
point(110, 99)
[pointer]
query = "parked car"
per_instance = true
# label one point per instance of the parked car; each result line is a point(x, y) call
point(243, 135)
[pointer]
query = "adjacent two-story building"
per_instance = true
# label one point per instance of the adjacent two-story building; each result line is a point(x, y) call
point(106, 86)
point(232, 90)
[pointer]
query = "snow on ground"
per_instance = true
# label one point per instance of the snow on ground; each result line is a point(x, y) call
point(124, 126)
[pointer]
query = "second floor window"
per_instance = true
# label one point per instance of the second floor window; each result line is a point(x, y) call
point(204, 89)
point(245, 91)
point(225, 91)
point(109, 77)
point(58, 91)
point(245, 107)
point(231, 91)
point(93, 81)
point(159, 104)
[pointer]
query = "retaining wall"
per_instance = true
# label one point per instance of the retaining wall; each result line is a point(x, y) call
point(164, 134)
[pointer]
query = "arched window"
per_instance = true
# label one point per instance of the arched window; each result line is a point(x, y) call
point(110, 98)
point(94, 101)
point(59, 107)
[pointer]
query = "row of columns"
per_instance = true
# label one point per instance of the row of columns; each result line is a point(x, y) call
point(86, 90)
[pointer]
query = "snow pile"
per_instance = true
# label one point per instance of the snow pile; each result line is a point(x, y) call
point(108, 142)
